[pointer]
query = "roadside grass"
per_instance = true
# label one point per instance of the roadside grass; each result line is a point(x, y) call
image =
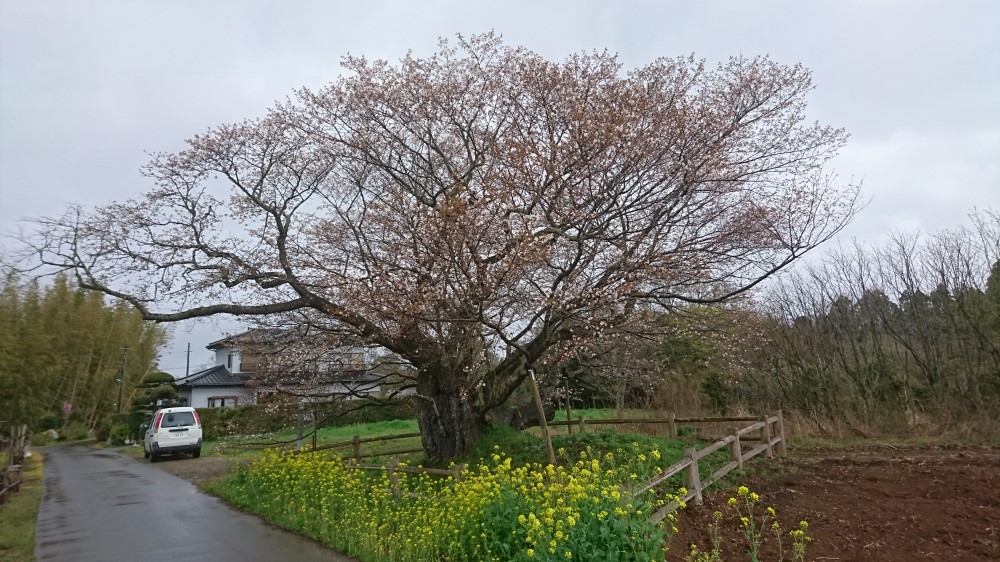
point(19, 513)
point(603, 414)
point(252, 445)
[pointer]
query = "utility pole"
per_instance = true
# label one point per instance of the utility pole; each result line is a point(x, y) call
point(187, 368)
point(121, 381)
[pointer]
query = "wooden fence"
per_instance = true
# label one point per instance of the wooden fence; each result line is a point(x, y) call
point(357, 441)
point(12, 448)
point(394, 470)
point(770, 439)
point(753, 436)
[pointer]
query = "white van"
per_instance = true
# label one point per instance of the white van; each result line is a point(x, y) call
point(172, 431)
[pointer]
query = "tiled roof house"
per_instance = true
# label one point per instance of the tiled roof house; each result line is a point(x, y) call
point(228, 382)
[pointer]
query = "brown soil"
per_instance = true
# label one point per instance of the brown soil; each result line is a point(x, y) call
point(891, 504)
point(197, 471)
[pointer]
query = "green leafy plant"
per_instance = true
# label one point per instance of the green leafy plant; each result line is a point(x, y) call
point(497, 510)
point(753, 525)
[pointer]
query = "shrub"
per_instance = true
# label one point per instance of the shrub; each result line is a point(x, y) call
point(74, 431)
point(119, 432)
point(50, 421)
point(244, 420)
point(372, 412)
point(42, 438)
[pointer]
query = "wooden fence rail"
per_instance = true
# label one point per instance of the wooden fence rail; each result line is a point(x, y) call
point(394, 469)
point(12, 447)
point(769, 441)
point(357, 441)
point(670, 421)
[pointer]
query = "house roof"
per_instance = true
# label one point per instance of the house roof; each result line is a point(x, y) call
point(282, 337)
point(253, 335)
point(346, 377)
point(218, 375)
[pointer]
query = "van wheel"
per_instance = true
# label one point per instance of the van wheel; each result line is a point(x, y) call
point(153, 457)
point(145, 453)
point(196, 453)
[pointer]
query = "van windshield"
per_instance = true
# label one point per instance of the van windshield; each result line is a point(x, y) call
point(177, 419)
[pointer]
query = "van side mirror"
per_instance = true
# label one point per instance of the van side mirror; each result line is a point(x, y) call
point(143, 427)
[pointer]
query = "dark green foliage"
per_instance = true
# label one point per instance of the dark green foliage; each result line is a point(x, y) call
point(916, 345)
point(62, 353)
point(119, 432)
point(46, 423)
point(243, 420)
point(360, 412)
point(132, 422)
point(686, 431)
point(608, 440)
point(155, 389)
point(520, 446)
point(716, 391)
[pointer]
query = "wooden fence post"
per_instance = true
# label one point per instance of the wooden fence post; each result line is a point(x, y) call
point(459, 471)
point(782, 448)
point(765, 436)
point(735, 453)
point(393, 477)
point(693, 478)
point(582, 418)
point(313, 415)
point(357, 447)
point(569, 412)
point(672, 424)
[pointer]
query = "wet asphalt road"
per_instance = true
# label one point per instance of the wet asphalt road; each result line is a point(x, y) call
point(102, 506)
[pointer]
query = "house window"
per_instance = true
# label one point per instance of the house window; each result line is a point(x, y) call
point(222, 401)
point(229, 361)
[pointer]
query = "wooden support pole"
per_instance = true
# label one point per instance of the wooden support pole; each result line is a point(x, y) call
point(582, 421)
point(735, 453)
point(357, 447)
point(672, 424)
point(693, 478)
point(541, 416)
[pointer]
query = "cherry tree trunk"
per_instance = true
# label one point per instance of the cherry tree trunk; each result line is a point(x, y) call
point(449, 420)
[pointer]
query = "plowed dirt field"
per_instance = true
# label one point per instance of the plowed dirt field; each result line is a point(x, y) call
point(891, 504)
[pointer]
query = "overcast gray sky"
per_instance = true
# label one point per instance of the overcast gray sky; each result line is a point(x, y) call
point(88, 88)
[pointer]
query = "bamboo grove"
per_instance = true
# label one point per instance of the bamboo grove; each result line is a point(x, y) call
point(62, 353)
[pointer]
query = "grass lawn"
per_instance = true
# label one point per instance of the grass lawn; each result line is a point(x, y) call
point(285, 439)
point(18, 515)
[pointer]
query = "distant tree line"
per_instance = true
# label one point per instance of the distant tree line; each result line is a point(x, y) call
point(886, 337)
point(894, 337)
point(62, 354)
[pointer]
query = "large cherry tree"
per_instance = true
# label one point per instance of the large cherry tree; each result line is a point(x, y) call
point(474, 210)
